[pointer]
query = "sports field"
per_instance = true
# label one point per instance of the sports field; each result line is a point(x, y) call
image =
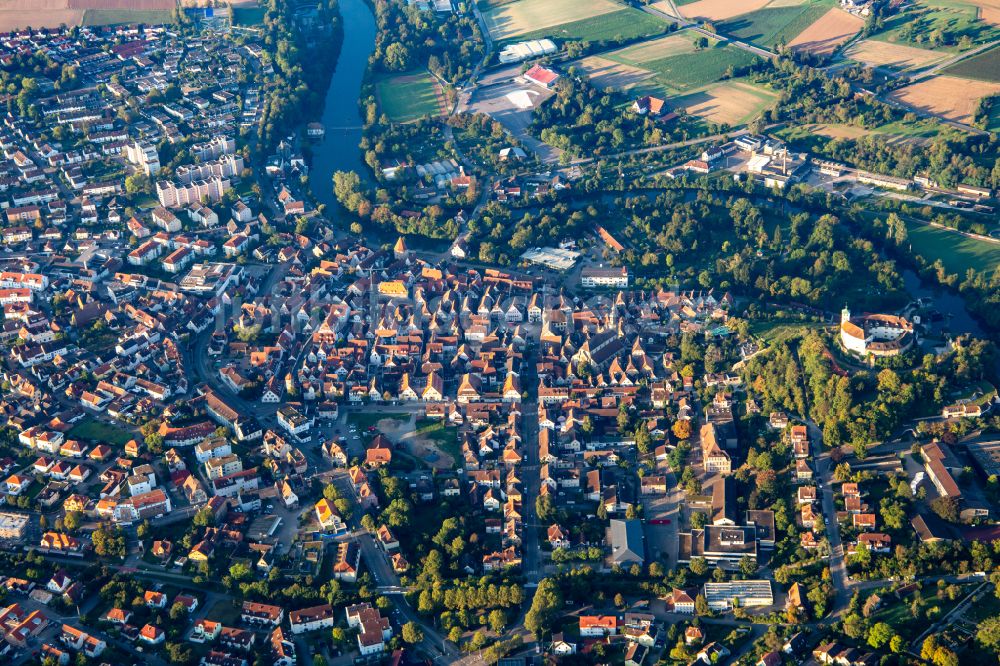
point(772, 25)
point(897, 56)
point(949, 97)
point(409, 97)
point(729, 102)
point(827, 34)
point(982, 67)
point(958, 253)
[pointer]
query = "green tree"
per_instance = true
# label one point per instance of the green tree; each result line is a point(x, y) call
point(698, 566)
point(497, 620)
point(412, 633)
point(109, 542)
point(988, 633)
point(545, 605)
point(880, 634)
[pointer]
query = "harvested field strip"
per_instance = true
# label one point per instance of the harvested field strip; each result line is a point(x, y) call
point(828, 33)
point(731, 103)
point(876, 53)
point(949, 97)
point(720, 10)
point(525, 16)
point(989, 10)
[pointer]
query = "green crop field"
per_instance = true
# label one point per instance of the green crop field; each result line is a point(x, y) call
point(116, 16)
point(409, 97)
point(625, 24)
point(771, 25)
point(958, 253)
point(941, 25)
point(982, 67)
point(687, 71)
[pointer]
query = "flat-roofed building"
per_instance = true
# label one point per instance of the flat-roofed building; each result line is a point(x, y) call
point(12, 525)
point(722, 545)
point(747, 593)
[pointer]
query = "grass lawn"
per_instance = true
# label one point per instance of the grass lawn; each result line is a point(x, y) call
point(782, 330)
point(115, 16)
point(443, 436)
point(994, 123)
point(915, 26)
point(982, 67)
point(225, 611)
point(409, 97)
point(625, 24)
point(897, 613)
point(364, 420)
point(958, 253)
point(92, 430)
point(770, 25)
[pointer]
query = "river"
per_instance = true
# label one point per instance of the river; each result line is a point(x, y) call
point(959, 320)
point(339, 150)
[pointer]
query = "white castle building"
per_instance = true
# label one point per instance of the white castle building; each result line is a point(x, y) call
point(875, 334)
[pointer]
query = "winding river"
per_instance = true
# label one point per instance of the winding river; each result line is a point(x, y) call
point(339, 151)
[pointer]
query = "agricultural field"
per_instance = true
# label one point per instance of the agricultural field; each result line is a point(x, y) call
point(958, 253)
point(409, 97)
point(919, 131)
point(117, 16)
point(877, 53)
point(826, 35)
point(15, 14)
point(982, 67)
point(667, 66)
point(950, 26)
point(625, 24)
point(775, 23)
point(714, 10)
point(949, 97)
point(594, 20)
point(729, 102)
point(513, 19)
point(989, 10)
